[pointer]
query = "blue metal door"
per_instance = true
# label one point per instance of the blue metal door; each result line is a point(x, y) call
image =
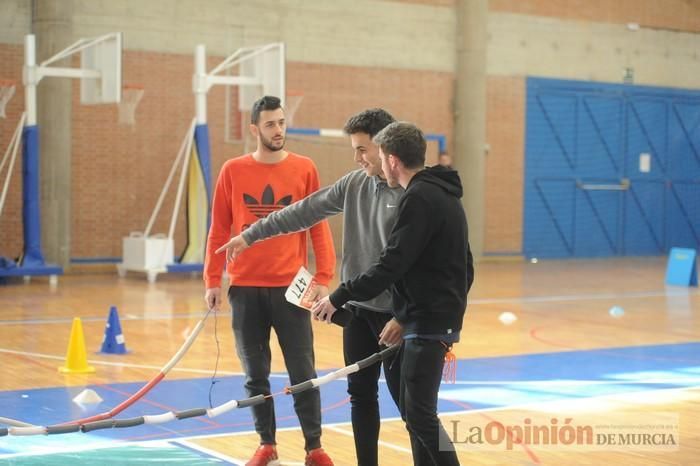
point(573, 172)
point(683, 204)
point(647, 132)
point(610, 169)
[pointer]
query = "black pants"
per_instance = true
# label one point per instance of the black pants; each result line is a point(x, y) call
point(360, 340)
point(255, 311)
point(421, 373)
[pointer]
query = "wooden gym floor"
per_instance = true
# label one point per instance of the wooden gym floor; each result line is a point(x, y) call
point(564, 362)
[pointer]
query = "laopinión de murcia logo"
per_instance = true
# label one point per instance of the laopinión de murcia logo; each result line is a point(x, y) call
point(653, 431)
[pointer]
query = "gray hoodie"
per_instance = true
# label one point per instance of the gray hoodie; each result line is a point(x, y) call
point(370, 208)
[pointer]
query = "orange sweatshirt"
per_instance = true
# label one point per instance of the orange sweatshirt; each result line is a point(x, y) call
point(248, 190)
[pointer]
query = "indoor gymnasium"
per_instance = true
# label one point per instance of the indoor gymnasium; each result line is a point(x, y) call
point(572, 128)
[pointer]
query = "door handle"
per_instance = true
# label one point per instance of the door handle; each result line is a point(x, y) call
point(624, 185)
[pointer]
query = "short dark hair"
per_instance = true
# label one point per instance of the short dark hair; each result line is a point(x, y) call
point(267, 102)
point(370, 121)
point(405, 141)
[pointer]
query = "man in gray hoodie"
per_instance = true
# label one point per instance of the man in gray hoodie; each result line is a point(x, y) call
point(370, 207)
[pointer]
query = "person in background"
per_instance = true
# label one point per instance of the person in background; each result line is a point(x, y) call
point(445, 160)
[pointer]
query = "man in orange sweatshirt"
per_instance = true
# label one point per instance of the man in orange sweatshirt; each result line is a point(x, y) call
point(248, 188)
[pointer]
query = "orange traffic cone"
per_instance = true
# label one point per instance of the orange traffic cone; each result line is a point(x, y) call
point(76, 357)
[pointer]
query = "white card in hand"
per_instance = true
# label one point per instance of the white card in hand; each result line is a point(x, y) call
point(300, 289)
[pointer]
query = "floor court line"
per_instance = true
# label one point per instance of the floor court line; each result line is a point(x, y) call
point(207, 451)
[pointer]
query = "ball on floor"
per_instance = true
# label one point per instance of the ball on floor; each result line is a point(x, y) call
point(507, 318)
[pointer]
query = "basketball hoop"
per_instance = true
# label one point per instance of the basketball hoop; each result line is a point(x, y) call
point(291, 106)
point(131, 96)
point(7, 90)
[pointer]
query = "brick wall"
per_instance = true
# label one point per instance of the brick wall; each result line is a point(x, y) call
point(11, 58)
point(505, 133)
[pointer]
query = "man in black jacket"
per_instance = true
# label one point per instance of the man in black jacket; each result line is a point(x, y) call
point(428, 262)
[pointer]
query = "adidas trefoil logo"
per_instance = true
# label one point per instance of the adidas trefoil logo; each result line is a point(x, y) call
point(267, 204)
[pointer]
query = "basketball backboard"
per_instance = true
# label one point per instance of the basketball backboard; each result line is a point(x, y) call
point(268, 67)
point(104, 57)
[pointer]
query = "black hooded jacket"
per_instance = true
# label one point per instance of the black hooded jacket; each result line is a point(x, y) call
point(427, 258)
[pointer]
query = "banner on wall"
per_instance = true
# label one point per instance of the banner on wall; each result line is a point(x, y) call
point(198, 206)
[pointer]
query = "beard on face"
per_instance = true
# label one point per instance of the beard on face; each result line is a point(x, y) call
point(391, 180)
point(272, 145)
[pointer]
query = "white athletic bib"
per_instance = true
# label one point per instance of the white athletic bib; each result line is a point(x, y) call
point(300, 289)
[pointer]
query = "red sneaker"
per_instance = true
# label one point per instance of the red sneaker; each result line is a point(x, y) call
point(265, 455)
point(318, 457)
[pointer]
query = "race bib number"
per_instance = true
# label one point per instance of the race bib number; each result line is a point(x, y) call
point(299, 291)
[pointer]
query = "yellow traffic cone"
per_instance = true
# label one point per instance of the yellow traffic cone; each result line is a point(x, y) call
point(76, 357)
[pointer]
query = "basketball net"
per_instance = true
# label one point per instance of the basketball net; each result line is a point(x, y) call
point(131, 96)
point(7, 90)
point(291, 106)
